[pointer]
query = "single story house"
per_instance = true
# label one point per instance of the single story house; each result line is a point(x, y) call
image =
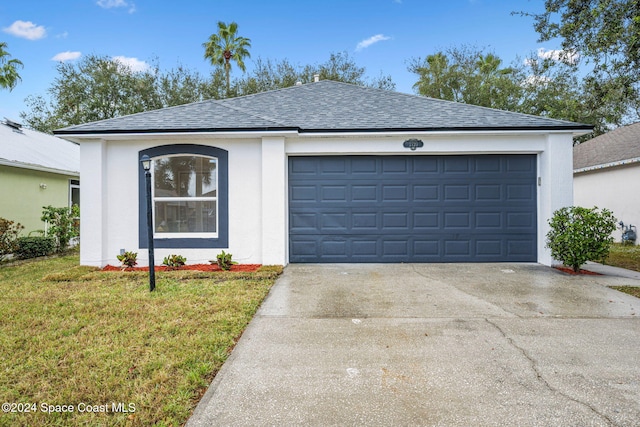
point(325, 172)
point(606, 174)
point(36, 170)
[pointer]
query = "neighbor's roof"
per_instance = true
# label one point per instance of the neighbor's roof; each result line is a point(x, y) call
point(325, 106)
point(25, 148)
point(613, 148)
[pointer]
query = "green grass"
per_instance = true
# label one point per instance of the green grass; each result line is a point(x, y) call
point(625, 256)
point(72, 335)
point(631, 290)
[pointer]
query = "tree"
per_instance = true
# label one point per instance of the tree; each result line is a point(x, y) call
point(225, 46)
point(554, 89)
point(606, 32)
point(437, 78)
point(467, 74)
point(606, 35)
point(539, 86)
point(270, 75)
point(98, 87)
point(9, 76)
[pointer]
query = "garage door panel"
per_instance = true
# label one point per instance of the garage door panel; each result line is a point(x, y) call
point(412, 208)
point(364, 193)
point(394, 165)
point(457, 164)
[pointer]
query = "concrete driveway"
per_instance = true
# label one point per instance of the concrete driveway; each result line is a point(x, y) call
point(434, 345)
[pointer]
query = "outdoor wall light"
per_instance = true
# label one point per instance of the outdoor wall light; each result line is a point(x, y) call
point(145, 161)
point(413, 144)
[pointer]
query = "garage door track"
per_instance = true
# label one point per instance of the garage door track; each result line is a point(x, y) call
point(433, 345)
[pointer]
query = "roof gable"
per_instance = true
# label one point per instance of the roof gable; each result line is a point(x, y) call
point(325, 106)
point(617, 146)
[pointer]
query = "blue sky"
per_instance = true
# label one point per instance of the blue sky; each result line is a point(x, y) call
point(380, 35)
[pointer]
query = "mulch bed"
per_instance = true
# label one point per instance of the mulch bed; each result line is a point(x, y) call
point(193, 267)
point(569, 270)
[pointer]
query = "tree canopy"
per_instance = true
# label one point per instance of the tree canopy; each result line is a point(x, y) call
point(605, 36)
point(9, 76)
point(98, 87)
point(269, 74)
point(538, 86)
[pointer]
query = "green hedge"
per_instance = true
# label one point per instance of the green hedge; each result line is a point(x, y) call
point(32, 247)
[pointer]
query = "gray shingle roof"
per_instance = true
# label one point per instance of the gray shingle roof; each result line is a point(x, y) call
point(325, 106)
point(612, 147)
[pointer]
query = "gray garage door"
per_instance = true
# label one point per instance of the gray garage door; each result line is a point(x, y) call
point(479, 208)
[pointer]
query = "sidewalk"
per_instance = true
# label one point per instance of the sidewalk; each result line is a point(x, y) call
point(610, 270)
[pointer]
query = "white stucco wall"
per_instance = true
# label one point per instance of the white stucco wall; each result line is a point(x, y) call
point(614, 188)
point(258, 212)
point(109, 213)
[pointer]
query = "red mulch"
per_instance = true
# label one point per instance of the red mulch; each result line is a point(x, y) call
point(194, 267)
point(569, 270)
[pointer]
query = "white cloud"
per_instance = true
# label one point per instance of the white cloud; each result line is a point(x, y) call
point(567, 56)
point(66, 56)
point(133, 63)
point(26, 29)
point(371, 40)
point(62, 35)
point(109, 4)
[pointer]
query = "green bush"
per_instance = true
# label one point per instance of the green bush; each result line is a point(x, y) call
point(174, 261)
point(33, 247)
point(580, 234)
point(224, 261)
point(128, 259)
point(9, 232)
point(63, 224)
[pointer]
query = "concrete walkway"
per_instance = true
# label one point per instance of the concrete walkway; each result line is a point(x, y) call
point(433, 345)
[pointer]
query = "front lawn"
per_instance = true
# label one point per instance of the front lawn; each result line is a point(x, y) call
point(86, 347)
point(624, 256)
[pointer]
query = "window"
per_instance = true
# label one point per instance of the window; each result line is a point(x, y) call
point(189, 197)
point(185, 198)
point(74, 192)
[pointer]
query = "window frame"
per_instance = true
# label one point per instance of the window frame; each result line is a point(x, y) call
point(199, 240)
point(186, 199)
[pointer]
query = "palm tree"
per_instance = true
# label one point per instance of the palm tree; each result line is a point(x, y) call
point(9, 76)
point(438, 78)
point(225, 46)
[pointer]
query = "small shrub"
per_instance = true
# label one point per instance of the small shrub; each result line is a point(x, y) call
point(63, 224)
point(224, 261)
point(174, 261)
point(9, 231)
point(128, 259)
point(36, 246)
point(580, 234)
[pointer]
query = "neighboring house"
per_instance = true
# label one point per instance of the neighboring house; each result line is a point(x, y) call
point(325, 172)
point(606, 174)
point(36, 170)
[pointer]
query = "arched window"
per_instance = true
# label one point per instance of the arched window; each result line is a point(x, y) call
point(189, 197)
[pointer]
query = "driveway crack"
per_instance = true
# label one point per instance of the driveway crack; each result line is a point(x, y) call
point(542, 380)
